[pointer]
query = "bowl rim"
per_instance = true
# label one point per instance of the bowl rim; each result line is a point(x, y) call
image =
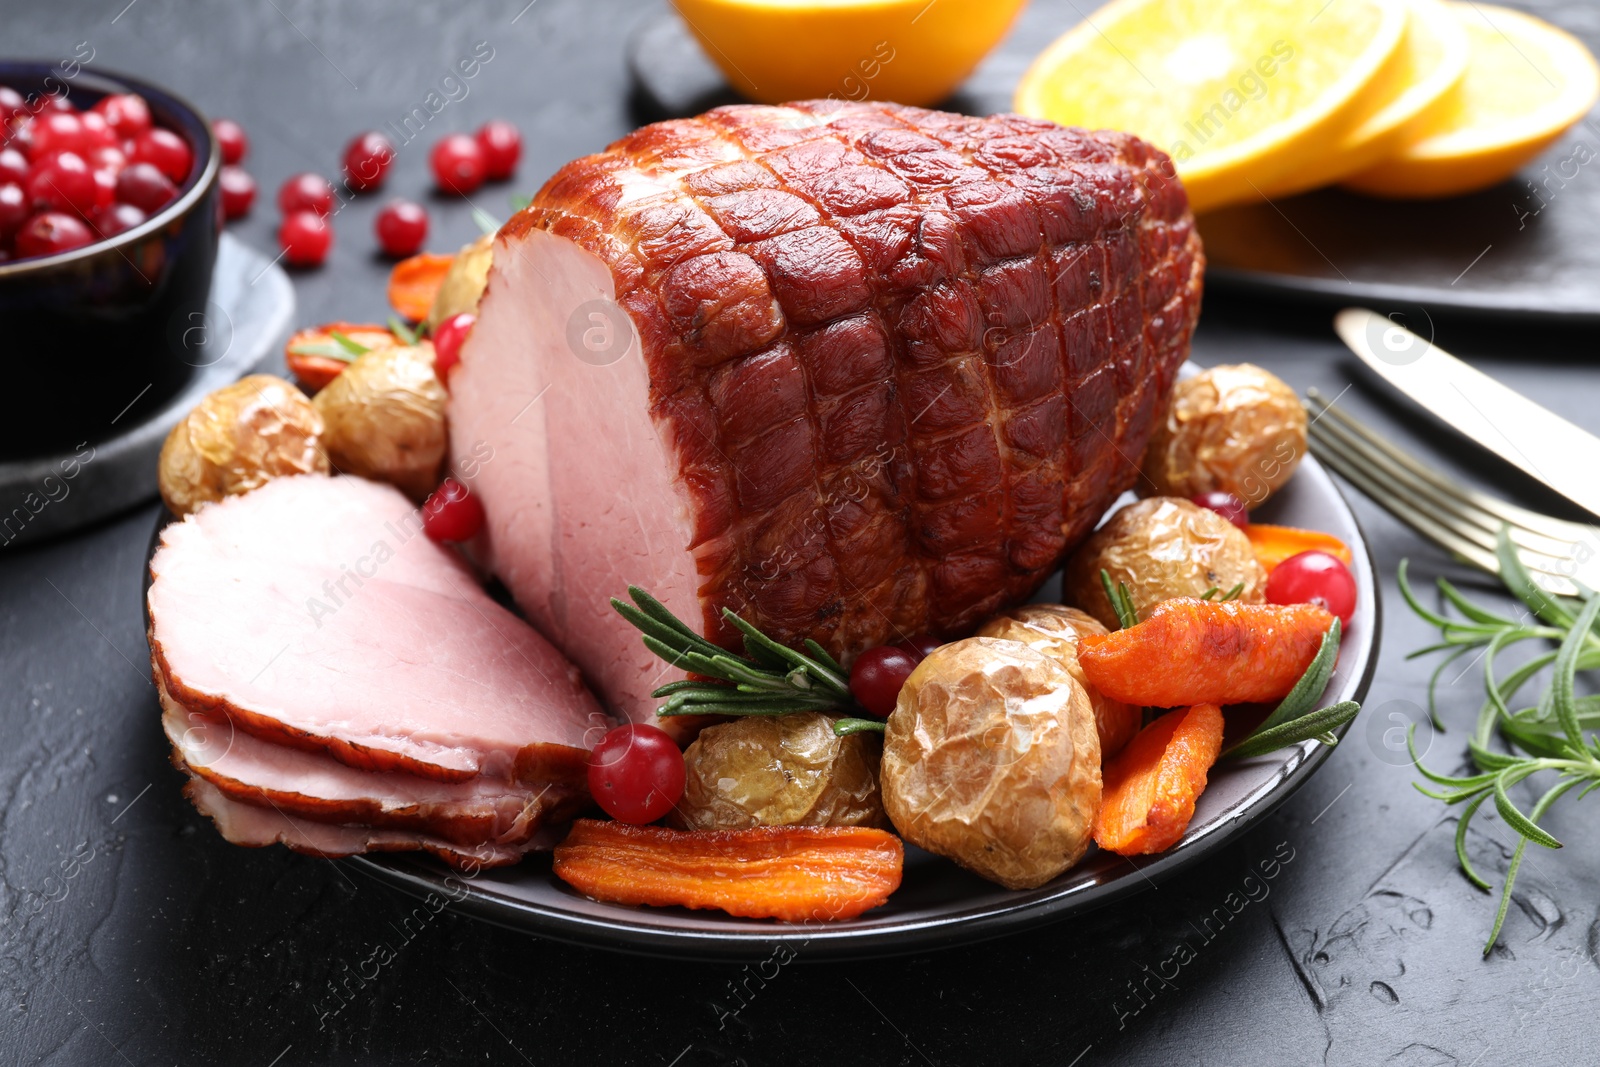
point(190, 193)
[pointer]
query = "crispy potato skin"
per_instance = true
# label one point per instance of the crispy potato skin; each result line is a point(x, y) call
point(464, 282)
point(385, 419)
point(781, 770)
point(1235, 428)
point(1193, 651)
point(237, 439)
point(991, 759)
point(793, 873)
point(1151, 788)
point(1161, 548)
point(1054, 629)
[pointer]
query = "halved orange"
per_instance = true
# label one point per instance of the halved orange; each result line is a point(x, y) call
point(1432, 60)
point(1527, 83)
point(1239, 94)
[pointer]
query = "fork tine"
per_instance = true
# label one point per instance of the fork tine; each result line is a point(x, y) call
point(1544, 525)
point(1475, 524)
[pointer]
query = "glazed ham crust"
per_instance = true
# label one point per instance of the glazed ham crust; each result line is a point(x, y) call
point(905, 358)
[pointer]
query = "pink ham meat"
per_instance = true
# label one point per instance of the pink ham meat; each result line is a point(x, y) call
point(314, 786)
point(853, 370)
point(313, 612)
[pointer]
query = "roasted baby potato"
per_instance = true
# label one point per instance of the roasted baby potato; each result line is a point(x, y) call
point(783, 770)
point(1237, 428)
point(385, 419)
point(1054, 629)
point(237, 439)
point(1160, 548)
point(464, 282)
point(991, 759)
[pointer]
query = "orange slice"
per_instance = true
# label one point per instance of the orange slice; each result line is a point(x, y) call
point(1432, 60)
point(1239, 94)
point(1526, 84)
point(905, 51)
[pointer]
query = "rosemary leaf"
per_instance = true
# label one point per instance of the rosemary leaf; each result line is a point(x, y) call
point(406, 334)
point(1461, 843)
point(1121, 600)
point(846, 727)
point(1312, 684)
point(1292, 732)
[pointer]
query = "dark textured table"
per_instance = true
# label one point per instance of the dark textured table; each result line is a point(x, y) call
point(1338, 932)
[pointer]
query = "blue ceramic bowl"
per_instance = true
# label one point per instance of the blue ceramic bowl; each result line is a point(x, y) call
point(94, 339)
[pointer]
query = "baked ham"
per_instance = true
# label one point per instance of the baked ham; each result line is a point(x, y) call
point(855, 371)
point(318, 658)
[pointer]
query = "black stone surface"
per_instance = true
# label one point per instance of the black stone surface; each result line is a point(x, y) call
point(130, 934)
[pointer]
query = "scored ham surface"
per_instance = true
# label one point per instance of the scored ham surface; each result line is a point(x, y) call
point(320, 659)
point(855, 371)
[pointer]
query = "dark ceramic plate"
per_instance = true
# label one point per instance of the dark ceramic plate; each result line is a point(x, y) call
point(938, 904)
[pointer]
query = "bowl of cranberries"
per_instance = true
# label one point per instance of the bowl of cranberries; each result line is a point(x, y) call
point(108, 236)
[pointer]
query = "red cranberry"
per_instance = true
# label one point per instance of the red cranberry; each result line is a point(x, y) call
point(636, 773)
point(22, 136)
point(448, 338)
point(458, 164)
point(56, 131)
point(13, 209)
point(401, 226)
point(96, 133)
point(145, 187)
point(877, 676)
point(367, 159)
point(502, 147)
point(13, 166)
point(126, 113)
point(106, 157)
point(306, 237)
point(452, 513)
point(238, 192)
point(118, 218)
point(1314, 577)
point(920, 646)
point(169, 152)
point(50, 232)
point(231, 139)
point(1227, 505)
point(11, 104)
point(55, 102)
point(63, 182)
point(305, 192)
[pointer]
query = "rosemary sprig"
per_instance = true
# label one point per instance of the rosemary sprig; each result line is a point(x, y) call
point(407, 334)
point(1232, 594)
point(1121, 600)
point(1555, 734)
point(1297, 717)
point(769, 679)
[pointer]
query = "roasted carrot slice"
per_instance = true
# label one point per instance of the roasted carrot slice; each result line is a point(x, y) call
point(414, 282)
point(1192, 651)
point(316, 357)
point(793, 873)
point(1151, 786)
point(1274, 544)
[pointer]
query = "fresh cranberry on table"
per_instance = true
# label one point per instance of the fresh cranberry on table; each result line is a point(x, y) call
point(231, 139)
point(502, 147)
point(452, 513)
point(636, 773)
point(169, 152)
point(448, 337)
point(1314, 577)
point(238, 192)
point(62, 182)
point(11, 104)
point(145, 187)
point(118, 218)
point(877, 676)
point(13, 166)
point(126, 113)
point(50, 232)
point(401, 226)
point(366, 160)
point(305, 192)
point(459, 165)
point(1227, 505)
point(305, 237)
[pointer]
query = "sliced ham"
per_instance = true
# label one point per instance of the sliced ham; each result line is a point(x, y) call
point(257, 827)
point(855, 371)
point(314, 613)
point(316, 787)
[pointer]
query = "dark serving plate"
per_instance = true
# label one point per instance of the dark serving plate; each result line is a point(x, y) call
point(103, 335)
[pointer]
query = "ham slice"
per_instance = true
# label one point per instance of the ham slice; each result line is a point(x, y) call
point(314, 613)
point(855, 371)
point(316, 787)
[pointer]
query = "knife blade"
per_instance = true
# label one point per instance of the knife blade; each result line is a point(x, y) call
point(1532, 438)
